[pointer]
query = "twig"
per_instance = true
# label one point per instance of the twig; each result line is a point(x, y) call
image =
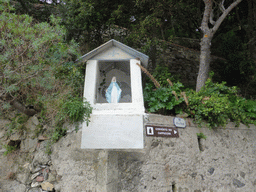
point(185, 97)
point(170, 83)
point(174, 93)
point(150, 76)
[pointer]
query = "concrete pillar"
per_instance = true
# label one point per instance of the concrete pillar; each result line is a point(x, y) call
point(90, 81)
point(101, 171)
point(112, 172)
point(136, 85)
point(107, 171)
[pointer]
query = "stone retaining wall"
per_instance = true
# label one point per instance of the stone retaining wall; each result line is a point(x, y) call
point(183, 61)
point(224, 162)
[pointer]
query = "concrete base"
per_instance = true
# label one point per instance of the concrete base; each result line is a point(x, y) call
point(113, 132)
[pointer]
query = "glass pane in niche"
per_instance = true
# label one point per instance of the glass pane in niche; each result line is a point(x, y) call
point(118, 71)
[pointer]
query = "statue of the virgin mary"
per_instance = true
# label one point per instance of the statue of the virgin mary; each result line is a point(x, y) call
point(113, 92)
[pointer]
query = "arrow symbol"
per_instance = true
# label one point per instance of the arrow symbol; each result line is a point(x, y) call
point(175, 132)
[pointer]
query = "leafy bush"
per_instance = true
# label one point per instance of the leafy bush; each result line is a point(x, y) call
point(17, 123)
point(77, 110)
point(217, 104)
point(250, 108)
point(161, 74)
point(58, 132)
point(162, 99)
point(73, 110)
point(36, 65)
point(166, 97)
point(38, 70)
point(201, 136)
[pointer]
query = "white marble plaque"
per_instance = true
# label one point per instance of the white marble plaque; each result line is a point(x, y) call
point(113, 132)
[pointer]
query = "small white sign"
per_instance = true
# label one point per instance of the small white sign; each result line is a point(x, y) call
point(150, 131)
point(179, 122)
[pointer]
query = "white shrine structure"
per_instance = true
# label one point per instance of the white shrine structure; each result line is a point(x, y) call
point(117, 125)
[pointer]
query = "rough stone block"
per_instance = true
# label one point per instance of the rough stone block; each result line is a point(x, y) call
point(47, 186)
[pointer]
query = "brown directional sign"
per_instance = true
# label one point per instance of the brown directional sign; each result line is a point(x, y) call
point(159, 131)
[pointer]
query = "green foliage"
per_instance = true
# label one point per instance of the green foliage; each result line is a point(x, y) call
point(71, 73)
point(217, 104)
point(250, 108)
point(87, 20)
point(17, 123)
point(73, 110)
point(77, 110)
point(58, 133)
point(201, 136)
point(30, 52)
point(39, 10)
point(35, 62)
point(162, 100)
point(238, 68)
point(37, 68)
point(214, 105)
point(159, 21)
point(161, 73)
point(48, 149)
point(9, 149)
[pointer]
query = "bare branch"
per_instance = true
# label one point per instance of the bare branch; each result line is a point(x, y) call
point(222, 8)
point(207, 11)
point(185, 97)
point(211, 18)
point(156, 83)
point(224, 14)
point(170, 83)
point(174, 93)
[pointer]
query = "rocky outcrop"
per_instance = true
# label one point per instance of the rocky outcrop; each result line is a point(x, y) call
point(27, 167)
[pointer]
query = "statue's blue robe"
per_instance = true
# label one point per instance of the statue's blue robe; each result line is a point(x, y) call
point(113, 93)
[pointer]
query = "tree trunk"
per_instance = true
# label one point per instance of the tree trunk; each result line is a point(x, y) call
point(205, 57)
point(205, 54)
